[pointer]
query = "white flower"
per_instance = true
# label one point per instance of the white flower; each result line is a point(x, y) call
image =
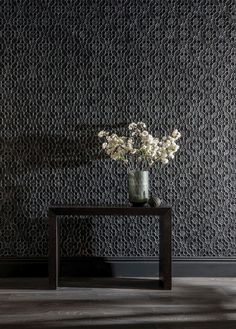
point(142, 145)
point(163, 155)
point(102, 133)
point(164, 160)
point(141, 125)
point(144, 134)
point(175, 148)
point(176, 134)
point(132, 126)
point(167, 143)
point(150, 138)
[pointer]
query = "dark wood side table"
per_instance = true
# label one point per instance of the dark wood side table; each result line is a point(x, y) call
point(163, 215)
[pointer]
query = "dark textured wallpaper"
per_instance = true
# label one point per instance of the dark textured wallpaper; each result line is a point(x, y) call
point(71, 68)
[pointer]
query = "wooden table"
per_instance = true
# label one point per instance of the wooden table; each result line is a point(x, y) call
point(162, 214)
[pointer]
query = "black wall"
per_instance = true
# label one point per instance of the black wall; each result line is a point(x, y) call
point(71, 68)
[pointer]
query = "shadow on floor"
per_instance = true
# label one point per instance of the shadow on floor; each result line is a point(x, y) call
point(188, 306)
point(113, 283)
point(227, 324)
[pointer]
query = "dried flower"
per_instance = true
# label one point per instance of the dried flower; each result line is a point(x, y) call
point(140, 145)
point(102, 133)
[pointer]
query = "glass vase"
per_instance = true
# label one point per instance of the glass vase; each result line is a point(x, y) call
point(138, 187)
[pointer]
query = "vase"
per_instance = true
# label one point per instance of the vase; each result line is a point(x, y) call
point(138, 188)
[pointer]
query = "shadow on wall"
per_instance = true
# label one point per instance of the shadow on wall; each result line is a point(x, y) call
point(75, 148)
point(26, 192)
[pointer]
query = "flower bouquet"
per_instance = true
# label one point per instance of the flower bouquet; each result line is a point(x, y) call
point(140, 149)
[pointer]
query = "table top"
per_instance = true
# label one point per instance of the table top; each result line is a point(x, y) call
point(106, 210)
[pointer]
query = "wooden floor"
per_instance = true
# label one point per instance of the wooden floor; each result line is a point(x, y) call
point(194, 303)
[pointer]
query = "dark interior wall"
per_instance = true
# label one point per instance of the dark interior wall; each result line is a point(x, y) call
point(70, 68)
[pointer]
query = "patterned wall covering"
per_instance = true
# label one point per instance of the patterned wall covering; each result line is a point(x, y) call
point(70, 68)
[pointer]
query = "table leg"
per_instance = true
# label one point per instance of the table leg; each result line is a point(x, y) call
point(165, 251)
point(53, 256)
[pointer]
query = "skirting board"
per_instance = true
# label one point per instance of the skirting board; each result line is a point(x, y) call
point(116, 267)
